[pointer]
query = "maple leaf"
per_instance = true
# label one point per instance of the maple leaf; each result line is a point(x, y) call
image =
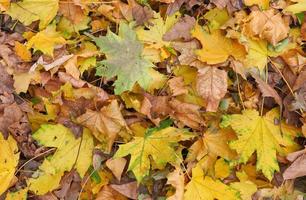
point(204, 187)
point(29, 11)
point(153, 37)
point(158, 143)
point(123, 59)
point(216, 48)
point(212, 86)
point(46, 40)
point(260, 134)
point(106, 124)
point(70, 153)
point(9, 158)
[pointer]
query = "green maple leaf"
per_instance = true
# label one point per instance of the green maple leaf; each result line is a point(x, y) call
point(158, 144)
point(123, 59)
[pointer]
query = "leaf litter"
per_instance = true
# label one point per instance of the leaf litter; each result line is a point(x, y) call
point(152, 100)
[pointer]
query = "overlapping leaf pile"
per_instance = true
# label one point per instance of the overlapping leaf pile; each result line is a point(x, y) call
point(165, 99)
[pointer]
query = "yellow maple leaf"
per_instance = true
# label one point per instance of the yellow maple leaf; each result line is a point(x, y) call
point(216, 48)
point(29, 11)
point(157, 144)
point(22, 51)
point(46, 40)
point(260, 134)
point(204, 187)
point(153, 37)
point(9, 158)
point(71, 152)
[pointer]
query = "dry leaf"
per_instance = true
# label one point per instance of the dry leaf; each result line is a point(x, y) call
point(266, 25)
point(128, 189)
point(177, 180)
point(117, 166)
point(212, 86)
point(180, 30)
point(188, 114)
point(177, 86)
point(267, 90)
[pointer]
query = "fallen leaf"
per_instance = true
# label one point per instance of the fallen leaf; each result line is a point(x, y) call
point(105, 124)
point(116, 166)
point(296, 169)
point(216, 48)
point(266, 25)
point(212, 86)
point(177, 180)
point(188, 114)
point(22, 52)
point(204, 187)
point(141, 14)
point(177, 86)
point(181, 29)
point(152, 35)
point(128, 189)
point(298, 7)
point(263, 4)
point(267, 90)
point(19, 195)
point(46, 40)
point(260, 134)
point(49, 66)
point(70, 153)
point(126, 46)
point(71, 11)
point(29, 11)
point(9, 158)
point(109, 193)
point(157, 143)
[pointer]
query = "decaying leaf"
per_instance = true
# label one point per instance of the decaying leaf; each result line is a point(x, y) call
point(266, 25)
point(177, 180)
point(105, 124)
point(212, 86)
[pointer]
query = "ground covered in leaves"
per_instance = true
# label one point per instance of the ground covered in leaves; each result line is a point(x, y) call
point(152, 100)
